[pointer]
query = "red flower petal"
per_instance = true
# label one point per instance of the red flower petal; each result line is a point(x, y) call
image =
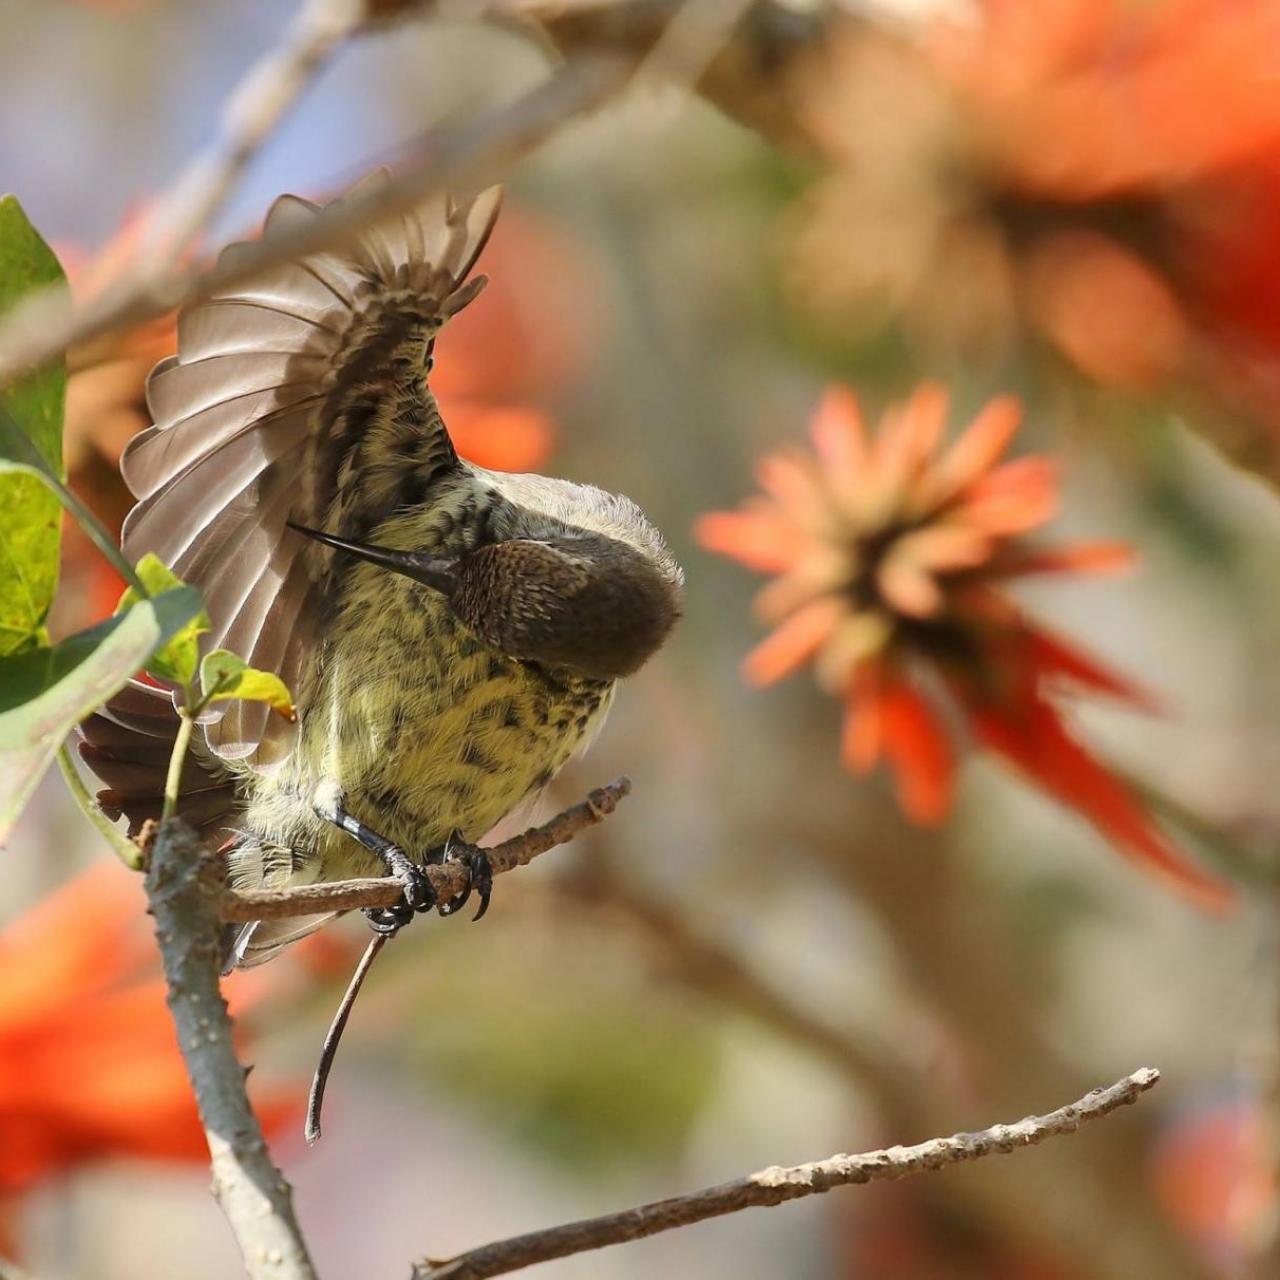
point(1079, 557)
point(1033, 738)
point(500, 437)
point(886, 714)
point(1048, 656)
point(840, 435)
point(1014, 498)
point(792, 480)
point(909, 435)
point(909, 588)
point(918, 750)
point(862, 739)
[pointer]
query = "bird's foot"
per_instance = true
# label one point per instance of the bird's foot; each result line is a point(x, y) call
point(479, 875)
point(388, 919)
point(413, 880)
point(416, 886)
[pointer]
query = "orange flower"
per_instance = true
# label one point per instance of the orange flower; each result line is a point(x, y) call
point(1214, 1175)
point(1052, 168)
point(89, 1061)
point(890, 553)
point(502, 359)
point(106, 407)
point(1146, 227)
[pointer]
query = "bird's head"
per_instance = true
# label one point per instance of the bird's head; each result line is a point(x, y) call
point(575, 601)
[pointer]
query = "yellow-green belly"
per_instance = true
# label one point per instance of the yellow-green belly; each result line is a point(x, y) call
point(424, 728)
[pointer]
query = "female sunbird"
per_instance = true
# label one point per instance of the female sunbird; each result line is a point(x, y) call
point(451, 635)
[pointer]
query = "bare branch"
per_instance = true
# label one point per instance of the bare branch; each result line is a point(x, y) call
point(447, 879)
point(251, 115)
point(183, 885)
point(463, 156)
point(777, 1185)
point(750, 64)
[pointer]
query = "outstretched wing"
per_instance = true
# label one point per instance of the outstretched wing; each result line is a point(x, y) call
point(279, 390)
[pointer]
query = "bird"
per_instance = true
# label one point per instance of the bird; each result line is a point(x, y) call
point(451, 635)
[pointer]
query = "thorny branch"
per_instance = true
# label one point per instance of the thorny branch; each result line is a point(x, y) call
point(183, 885)
point(448, 879)
point(777, 1185)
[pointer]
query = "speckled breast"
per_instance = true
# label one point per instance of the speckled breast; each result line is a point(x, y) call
point(426, 728)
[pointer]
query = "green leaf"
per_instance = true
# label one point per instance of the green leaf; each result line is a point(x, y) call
point(18, 454)
point(45, 693)
point(30, 521)
point(176, 662)
point(224, 677)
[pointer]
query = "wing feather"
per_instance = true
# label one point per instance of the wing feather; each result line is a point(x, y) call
point(263, 940)
point(239, 414)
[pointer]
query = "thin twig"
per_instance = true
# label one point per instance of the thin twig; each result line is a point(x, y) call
point(333, 1037)
point(898, 1075)
point(463, 156)
point(777, 1185)
point(447, 879)
point(691, 39)
point(183, 886)
point(250, 116)
point(503, 857)
point(173, 778)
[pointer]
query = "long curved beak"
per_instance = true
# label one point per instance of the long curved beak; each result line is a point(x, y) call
point(440, 572)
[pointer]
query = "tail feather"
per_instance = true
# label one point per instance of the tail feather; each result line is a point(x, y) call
point(130, 753)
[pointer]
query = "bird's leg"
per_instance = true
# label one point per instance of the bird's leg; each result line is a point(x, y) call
point(418, 893)
point(480, 874)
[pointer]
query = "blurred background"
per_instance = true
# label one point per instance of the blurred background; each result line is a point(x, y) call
point(759, 959)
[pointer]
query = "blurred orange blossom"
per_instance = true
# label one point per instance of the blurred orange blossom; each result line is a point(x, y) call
point(1057, 165)
point(890, 553)
point(89, 1061)
point(1214, 1175)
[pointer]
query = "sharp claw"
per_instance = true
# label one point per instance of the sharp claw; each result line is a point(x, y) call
point(482, 881)
point(479, 878)
point(427, 899)
point(388, 919)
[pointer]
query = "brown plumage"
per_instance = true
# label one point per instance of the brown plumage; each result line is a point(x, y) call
point(451, 635)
